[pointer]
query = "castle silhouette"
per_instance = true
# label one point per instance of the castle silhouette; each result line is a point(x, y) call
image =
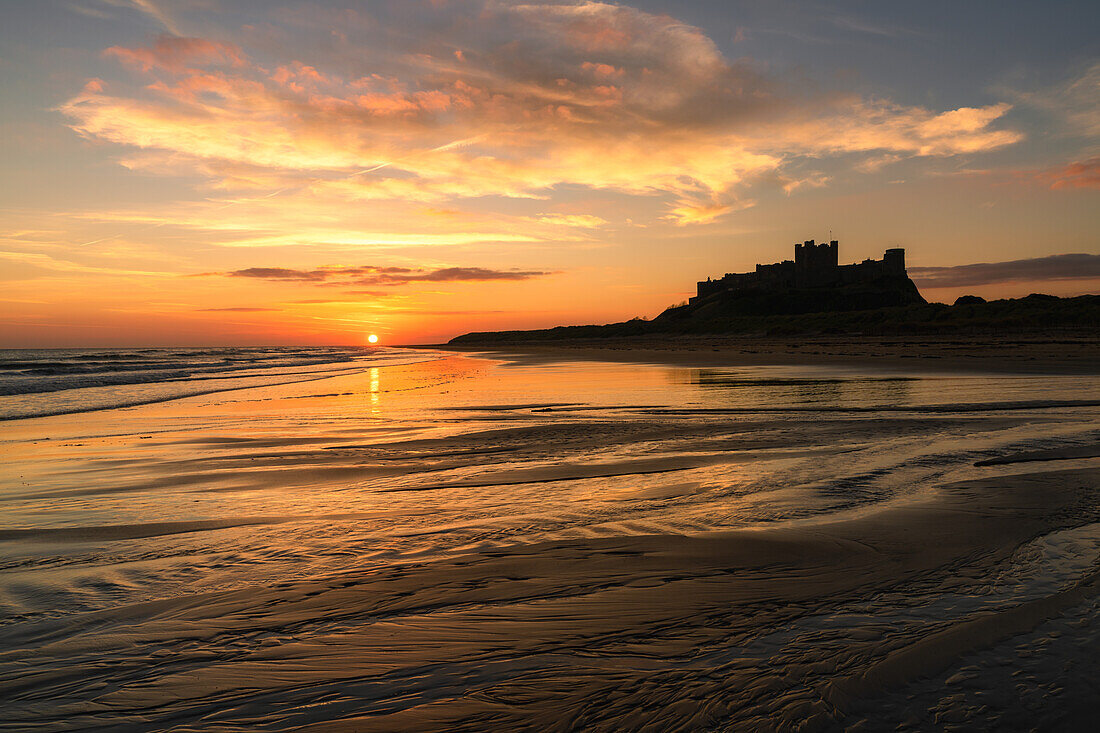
point(814, 266)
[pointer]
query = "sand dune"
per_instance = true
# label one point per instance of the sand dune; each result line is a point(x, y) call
point(1071, 353)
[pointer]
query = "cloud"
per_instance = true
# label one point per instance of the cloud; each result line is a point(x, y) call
point(1085, 174)
point(237, 310)
point(1074, 104)
point(542, 95)
point(47, 263)
point(1054, 267)
point(458, 274)
point(586, 221)
point(91, 12)
point(1067, 176)
point(371, 275)
point(176, 54)
point(862, 26)
point(692, 212)
point(278, 273)
point(153, 10)
point(886, 128)
point(324, 301)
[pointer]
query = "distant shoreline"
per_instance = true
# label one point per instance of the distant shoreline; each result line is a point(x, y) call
point(969, 319)
point(1071, 352)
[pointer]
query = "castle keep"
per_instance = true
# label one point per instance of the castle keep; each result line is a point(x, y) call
point(814, 266)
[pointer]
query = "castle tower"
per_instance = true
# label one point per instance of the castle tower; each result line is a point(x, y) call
point(893, 262)
point(815, 265)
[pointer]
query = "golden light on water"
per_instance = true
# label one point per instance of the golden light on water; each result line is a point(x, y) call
point(373, 339)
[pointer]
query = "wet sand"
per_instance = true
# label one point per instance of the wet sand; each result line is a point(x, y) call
point(672, 632)
point(469, 545)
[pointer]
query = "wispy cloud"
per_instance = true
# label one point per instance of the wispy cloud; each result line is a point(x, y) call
point(1061, 177)
point(48, 263)
point(1073, 105)
point(319, 275)
point(178, 55)
point(151, 9)
point(862, 25)
point(1054, 267)
point(371, 275)
point(1085, 174)
point(329, 301)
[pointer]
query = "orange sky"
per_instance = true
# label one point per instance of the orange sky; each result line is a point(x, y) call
point(309, 173)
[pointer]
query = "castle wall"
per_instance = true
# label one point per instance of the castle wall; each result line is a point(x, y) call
point(814, 266)
point(860, 272)
point(781, 274)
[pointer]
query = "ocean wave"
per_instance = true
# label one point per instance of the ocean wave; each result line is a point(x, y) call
point(85, 382)
point(25, 374)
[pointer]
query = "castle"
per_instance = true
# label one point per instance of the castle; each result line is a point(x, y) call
point(814, 266)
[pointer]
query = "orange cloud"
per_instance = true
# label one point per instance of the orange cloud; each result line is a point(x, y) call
point(175, 54)
point(606, 70)
point(1085, 174)
point(691, 213)
point(592, 94)
point(1069, 176)
point(894, 129)
point(586, 221)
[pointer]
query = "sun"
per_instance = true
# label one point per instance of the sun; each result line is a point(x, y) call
point(373, 339)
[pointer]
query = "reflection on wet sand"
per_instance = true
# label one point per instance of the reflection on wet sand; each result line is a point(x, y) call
point(468, 545)
point(732, 384)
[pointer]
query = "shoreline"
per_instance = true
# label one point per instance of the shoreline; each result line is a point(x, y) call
point(1069, 354)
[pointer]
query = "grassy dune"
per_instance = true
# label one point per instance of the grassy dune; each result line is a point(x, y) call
point(1032, 314)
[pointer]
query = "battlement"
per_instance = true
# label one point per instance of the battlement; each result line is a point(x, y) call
point(808, 247)
point(814, 266)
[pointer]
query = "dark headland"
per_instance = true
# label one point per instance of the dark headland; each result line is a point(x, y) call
point(812, 308)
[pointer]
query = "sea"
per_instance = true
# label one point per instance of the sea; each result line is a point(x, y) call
point(385, 538)
point(42, 382)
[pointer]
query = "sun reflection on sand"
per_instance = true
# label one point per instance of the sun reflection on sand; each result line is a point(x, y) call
point(374, 388)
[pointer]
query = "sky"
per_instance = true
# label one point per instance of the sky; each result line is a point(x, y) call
point(211, 172)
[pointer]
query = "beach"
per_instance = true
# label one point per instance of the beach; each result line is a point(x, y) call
point(562, 538)
point(1056, 351)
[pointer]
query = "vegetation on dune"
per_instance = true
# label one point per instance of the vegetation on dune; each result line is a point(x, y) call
point(1034, 313)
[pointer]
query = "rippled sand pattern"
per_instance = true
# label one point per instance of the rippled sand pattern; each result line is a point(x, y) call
point(465, 544)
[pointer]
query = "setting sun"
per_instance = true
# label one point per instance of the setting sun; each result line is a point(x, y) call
point(373, 339)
